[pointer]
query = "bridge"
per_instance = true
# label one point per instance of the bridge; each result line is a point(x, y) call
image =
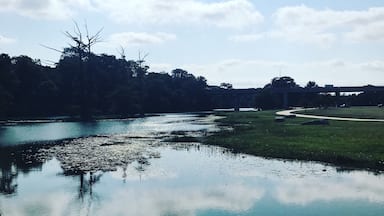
point(325, 89)
point(236, 98)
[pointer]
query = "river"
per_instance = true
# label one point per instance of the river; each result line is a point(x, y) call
point(135, 167)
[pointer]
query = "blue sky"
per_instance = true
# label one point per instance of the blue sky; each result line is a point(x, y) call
point(244, 42)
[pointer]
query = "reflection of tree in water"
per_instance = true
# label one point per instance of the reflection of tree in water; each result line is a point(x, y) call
point(7, 179)
point(15, 160)
point(85, 198)
point(143, 163)
point(86, 184)
point(78, 157)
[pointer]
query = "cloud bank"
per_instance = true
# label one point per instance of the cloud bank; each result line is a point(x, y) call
point(229, 13)
point(6, 40)
point(44, 9)
point(126, 39)
point(322, 27)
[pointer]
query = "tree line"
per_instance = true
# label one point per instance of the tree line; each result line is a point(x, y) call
point(89, 85)
point(83, 85)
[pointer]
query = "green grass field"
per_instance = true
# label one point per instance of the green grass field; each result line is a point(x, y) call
point(350, 112)
point(350, 144)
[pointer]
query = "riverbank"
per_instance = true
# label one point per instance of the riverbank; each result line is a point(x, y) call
point(346, 144)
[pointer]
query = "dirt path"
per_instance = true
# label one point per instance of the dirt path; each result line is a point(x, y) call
point(292, 112)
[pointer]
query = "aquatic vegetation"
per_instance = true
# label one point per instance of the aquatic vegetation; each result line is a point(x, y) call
point(109, 152)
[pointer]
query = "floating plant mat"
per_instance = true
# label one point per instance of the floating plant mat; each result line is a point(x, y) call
point(108, 152)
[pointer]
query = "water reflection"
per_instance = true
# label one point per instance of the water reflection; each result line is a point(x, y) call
point(8, 180)
point(28, 132)
point(351, 186)
point(186, 201)
point(15, 161)
point(198, 181)
point(165, 178)
point(32, 132)
point(95, 153)
point(100, 194)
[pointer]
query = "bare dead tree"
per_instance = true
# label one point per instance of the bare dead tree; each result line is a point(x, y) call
point(141, 59)
point(121, 51)
point(140, 73)
point(92, 39)
point(82, 44)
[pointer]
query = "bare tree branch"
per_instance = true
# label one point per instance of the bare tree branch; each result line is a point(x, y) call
point(78, 32)
point(121, 51)
point(51, 48)
point(142, 59)
point(82, 44)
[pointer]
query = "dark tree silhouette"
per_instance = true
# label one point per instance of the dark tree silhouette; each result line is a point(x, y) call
point(311, 84)
point(283, 82)
point(82, 84)
point(8, 85)
point(82, 45)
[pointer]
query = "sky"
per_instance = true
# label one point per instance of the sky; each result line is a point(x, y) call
point(243, 42)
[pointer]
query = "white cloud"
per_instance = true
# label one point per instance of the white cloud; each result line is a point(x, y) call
point(369, 32)
point(6, 40)
point(302, 23)
point(247, 37)
point(373, 66)
point(229, 13)
point(139, 38)
point(43, 9)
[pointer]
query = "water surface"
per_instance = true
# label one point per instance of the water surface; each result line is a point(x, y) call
point(182, 179)
point(47, 131)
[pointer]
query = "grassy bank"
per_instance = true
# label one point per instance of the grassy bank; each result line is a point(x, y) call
point(350, 144)
point(350, 112)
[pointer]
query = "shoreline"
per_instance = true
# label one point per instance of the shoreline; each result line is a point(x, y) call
point(257, 134)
